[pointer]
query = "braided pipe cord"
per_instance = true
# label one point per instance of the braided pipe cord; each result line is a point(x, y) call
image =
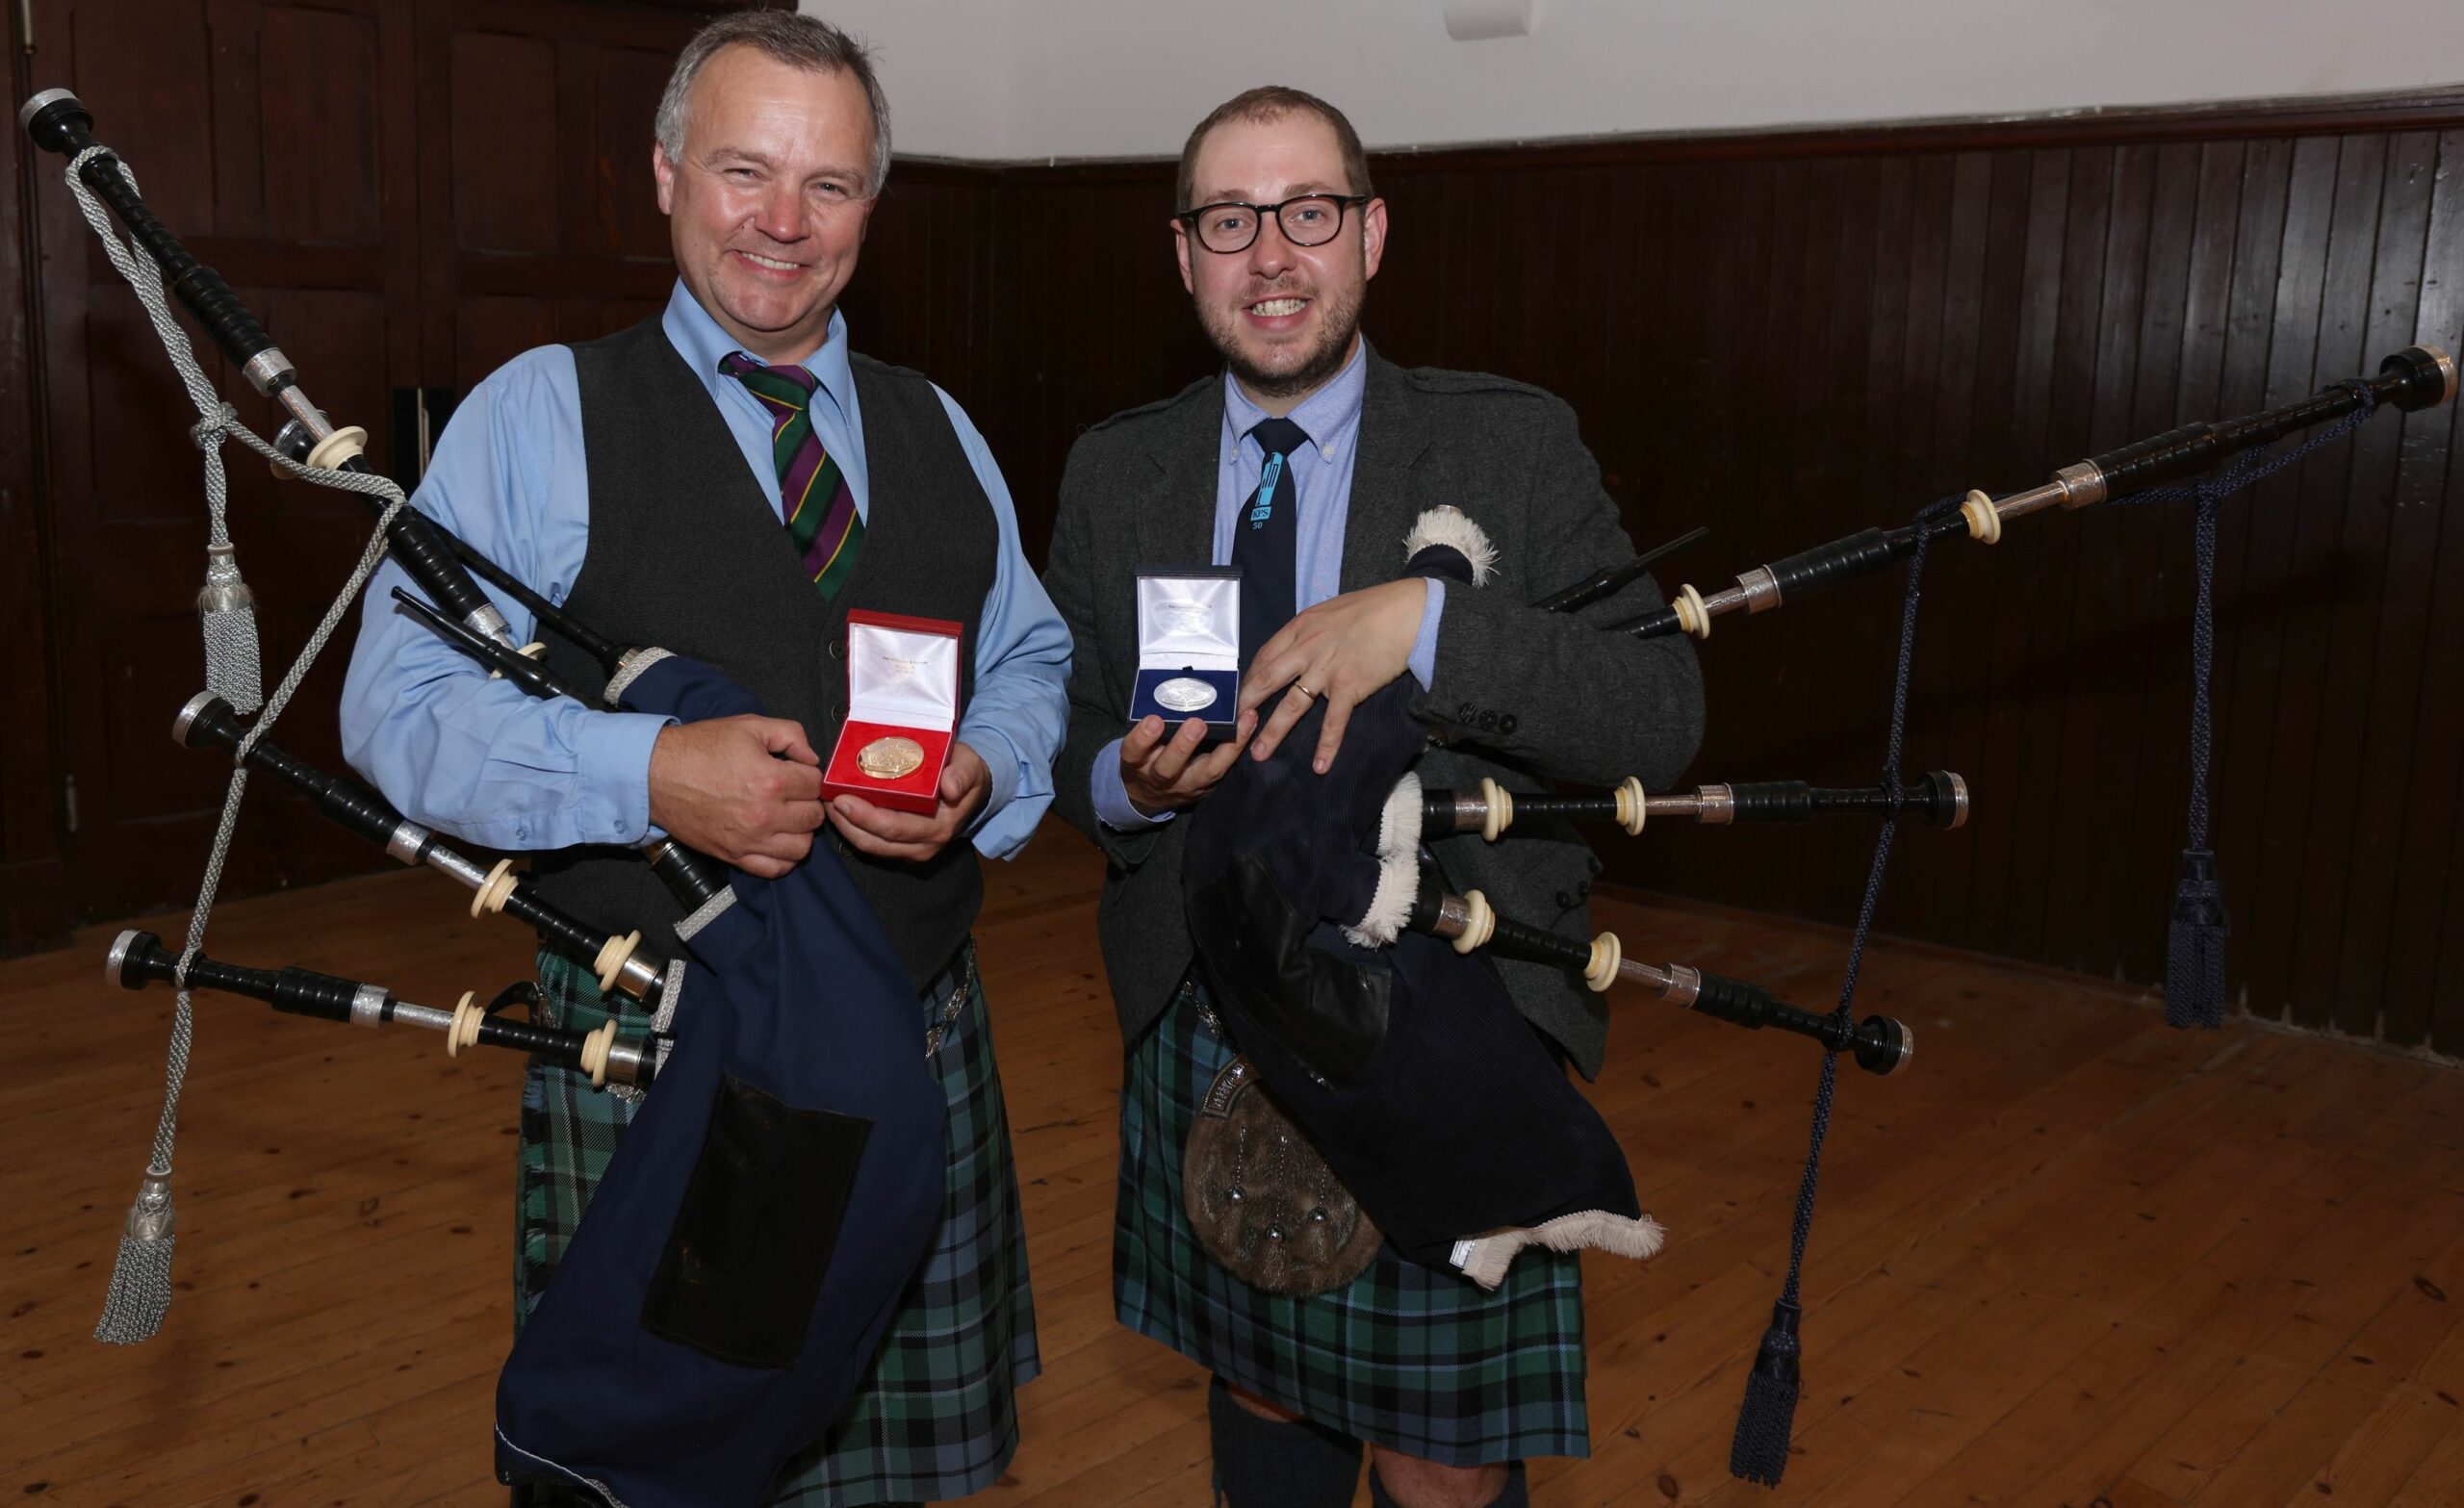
point(130, 1317)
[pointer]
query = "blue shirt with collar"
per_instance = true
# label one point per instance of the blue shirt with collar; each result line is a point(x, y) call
point(484, 761)
point(1320, 474)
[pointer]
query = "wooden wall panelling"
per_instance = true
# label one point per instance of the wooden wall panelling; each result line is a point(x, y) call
point(2371, 717)
point(2008, 804)
point(2253, 605)
point(2141, 629)
point(2018, 314)
point(2334, 669)
point(33, 900)
point(2109, 235)
point(1939, 460)
point(1805, 469)
point(1906, 473)
point(2302, 511)
point(2429, 905)
point(1993, 234)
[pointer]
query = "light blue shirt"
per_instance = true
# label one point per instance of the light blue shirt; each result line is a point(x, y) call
point(1320, 475)
point(489, 763)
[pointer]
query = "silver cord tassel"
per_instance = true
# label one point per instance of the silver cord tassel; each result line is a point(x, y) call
point(229, 611)
point(225, 605)
point(140, 1290)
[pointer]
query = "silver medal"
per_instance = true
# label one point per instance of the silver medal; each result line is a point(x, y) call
point(1185, 693)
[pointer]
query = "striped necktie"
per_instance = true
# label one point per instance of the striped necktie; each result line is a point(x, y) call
point(814, 495)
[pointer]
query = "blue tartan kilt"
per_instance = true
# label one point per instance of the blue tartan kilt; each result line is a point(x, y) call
point(937, 1415)
point(1417, 1361)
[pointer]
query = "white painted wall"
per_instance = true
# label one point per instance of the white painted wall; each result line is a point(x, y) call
point(1033, 78)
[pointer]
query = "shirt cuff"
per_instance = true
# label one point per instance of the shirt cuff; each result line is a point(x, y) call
point(1004, 766)
point(612, 754)
point(1112, 796)
point(1422, 663)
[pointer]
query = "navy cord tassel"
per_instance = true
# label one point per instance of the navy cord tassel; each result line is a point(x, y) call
point(2194, 992)
point(1759, 1453)
point(2194, 946)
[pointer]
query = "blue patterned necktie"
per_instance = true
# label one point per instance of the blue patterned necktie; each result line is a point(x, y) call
point(1265, 539)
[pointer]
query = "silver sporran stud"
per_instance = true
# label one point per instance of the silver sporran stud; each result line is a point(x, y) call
point(1186, 694)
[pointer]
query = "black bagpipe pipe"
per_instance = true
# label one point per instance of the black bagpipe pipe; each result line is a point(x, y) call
point(620, 962)
point(2416, 377)
point(60, 122)
point(1878, 1044)
point(1937, 797)
point(138, 958)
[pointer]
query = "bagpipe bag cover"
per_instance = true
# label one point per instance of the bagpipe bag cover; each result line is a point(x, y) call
point(734, 1272)
point(1407, 1067)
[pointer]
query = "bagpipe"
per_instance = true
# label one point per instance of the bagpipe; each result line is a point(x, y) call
point(1353, 983)
point(1341, 959)
point(777, 1189)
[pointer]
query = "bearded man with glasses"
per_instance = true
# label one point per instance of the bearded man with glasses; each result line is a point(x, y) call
point(1305, 463)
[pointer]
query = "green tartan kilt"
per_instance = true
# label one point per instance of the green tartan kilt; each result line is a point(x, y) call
point(937, 1415)
point(1417, 1361)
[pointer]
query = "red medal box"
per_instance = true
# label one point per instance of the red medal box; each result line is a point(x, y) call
point(902, 683)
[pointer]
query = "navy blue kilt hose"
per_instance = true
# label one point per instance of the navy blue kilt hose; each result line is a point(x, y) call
point(936, 1417)
point(1404, 1357)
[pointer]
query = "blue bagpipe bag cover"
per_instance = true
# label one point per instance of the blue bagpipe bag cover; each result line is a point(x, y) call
point(734, 1272)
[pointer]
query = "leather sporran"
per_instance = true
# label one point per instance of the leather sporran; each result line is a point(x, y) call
point(1261, 1199)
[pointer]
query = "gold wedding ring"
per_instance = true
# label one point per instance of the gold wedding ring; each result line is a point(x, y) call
point(891, 759)
point(1305, 690)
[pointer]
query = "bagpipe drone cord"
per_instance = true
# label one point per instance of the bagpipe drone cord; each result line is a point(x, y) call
point(2195, 960)
point(141, 1284)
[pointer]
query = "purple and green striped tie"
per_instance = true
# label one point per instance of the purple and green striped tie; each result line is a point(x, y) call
point(814, 495)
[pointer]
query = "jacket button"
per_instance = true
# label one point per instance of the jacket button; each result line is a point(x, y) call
point(838, 712)
point(1506, 724)
point(838, 650)
point(1466, 712)
point(1488, 721)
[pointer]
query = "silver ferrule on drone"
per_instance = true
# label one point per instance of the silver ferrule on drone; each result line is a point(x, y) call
point(368, 1004)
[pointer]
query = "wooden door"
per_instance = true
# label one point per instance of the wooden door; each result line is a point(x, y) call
point(278, 140)
point(540, 220)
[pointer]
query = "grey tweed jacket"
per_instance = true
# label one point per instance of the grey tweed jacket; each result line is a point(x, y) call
point(1523, 695)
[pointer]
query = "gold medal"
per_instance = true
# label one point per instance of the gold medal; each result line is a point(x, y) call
point(891, 759)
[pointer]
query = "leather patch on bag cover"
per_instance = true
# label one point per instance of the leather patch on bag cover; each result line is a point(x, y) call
point(745, 1258)
point(1261, 1199)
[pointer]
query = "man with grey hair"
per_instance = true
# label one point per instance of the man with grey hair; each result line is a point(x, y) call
point(643, 482)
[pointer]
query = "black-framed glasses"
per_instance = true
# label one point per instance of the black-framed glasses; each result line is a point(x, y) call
point(1309, 219)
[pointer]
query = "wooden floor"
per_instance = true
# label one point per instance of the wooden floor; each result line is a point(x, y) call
point(2070, 1258)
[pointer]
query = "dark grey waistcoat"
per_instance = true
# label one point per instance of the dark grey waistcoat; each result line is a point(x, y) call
point(686, 553)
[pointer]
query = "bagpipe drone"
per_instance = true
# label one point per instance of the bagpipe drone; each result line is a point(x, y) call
point(778, 1184)
point(1338, 956)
